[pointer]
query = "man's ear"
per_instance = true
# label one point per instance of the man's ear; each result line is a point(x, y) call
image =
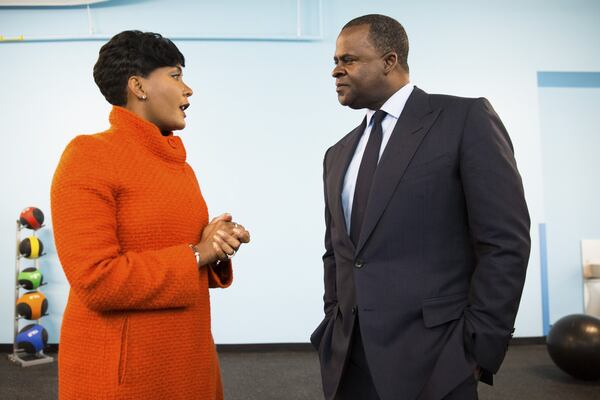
point(135, 85)
point(390, 61)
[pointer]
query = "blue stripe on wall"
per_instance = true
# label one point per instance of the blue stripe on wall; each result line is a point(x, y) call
point(544, 280)
point(568, 79)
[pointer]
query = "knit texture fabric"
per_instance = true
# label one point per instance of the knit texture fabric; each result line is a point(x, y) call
point(125, 207)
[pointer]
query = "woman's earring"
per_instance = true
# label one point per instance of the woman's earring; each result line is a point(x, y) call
point(143, 97)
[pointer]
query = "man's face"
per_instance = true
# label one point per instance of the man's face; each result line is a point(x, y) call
point(359, 70)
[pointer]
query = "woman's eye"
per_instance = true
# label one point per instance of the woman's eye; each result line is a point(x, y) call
point(176, 76)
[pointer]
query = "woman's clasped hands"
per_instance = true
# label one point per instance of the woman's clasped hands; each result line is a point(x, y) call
point(221, 239)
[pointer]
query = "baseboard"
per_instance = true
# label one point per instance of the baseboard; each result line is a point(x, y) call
point(517, 341)
point(222, 348)
point(8, 348)
point(276, 347)
point(264, 347)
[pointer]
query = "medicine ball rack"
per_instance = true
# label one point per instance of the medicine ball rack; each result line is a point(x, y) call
point(19, 356)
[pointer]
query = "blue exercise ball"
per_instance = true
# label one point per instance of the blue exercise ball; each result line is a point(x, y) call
point(574, 345)
point(32, 338)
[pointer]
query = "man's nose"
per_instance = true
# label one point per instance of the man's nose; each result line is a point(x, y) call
point(337, 72)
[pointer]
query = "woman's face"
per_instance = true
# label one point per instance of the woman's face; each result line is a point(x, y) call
point(166, 98)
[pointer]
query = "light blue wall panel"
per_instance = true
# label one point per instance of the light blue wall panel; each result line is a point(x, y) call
point(566, 79)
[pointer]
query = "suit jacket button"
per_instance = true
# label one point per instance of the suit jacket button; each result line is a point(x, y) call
point(359, 264)
point(354, 309)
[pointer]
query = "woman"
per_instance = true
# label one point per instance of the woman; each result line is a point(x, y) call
point(132, 233)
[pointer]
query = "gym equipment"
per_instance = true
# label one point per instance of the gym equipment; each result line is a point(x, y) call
point(30, 278)
point(32, 218)
point(32, 338)
point(574, 345)
point(32, 305)
point(31, 247)
point(590, 257)
point(29, 342)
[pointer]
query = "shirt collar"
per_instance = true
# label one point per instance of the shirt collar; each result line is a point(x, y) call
point(395, 104)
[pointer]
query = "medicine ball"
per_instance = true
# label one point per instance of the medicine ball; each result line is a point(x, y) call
point(32, 218)
point(32, 338)
point(574, 345)
point(30, 278)
point(32, 305)
point(31, 247)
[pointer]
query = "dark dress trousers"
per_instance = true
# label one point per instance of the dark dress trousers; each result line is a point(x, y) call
point(438, 270)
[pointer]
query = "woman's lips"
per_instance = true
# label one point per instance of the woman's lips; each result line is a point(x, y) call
point(184, 107)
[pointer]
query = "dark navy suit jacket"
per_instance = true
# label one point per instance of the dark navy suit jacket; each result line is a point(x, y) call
point(437, 274)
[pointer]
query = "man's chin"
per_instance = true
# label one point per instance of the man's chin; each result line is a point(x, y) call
point(344, 101)
point(348, 102)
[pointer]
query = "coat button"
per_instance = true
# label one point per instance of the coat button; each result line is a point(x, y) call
point(359, 264)
point(354, 309)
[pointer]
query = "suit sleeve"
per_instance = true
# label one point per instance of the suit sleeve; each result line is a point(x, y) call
point(499, 225)
point(101, 274)
point(329, 274)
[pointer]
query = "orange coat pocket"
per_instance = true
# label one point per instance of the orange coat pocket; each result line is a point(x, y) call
point(123, 352)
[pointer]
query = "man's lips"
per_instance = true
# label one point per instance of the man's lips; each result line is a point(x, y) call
point(339, 87)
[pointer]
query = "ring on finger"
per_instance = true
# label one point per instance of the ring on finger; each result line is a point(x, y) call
point(230, 256)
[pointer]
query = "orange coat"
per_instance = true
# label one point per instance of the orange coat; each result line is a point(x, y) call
point(125, 206)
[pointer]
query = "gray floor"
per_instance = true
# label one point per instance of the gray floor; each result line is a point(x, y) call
point(528, 373)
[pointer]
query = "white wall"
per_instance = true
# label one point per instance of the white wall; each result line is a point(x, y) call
point(262, 115)
point(571, 149)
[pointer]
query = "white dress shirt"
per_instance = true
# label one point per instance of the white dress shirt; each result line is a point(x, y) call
point(393, 107)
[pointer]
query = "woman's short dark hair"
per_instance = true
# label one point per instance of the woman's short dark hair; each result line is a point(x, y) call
point(386, 34)
point(132, 53)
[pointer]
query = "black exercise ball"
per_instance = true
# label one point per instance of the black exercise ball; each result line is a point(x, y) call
point(574, 346)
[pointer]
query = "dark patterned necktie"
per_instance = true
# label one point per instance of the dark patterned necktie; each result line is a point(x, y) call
point(368, 165)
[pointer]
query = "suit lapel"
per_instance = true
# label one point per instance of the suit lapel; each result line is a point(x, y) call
point(412, 126)
point(338, 173)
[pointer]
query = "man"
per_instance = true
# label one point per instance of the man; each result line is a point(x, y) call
point(427, 232)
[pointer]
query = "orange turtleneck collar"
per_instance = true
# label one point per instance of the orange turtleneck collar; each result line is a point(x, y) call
point(134, 128)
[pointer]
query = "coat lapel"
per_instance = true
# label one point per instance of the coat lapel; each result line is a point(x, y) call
point(412, 126)
point(338, 172)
